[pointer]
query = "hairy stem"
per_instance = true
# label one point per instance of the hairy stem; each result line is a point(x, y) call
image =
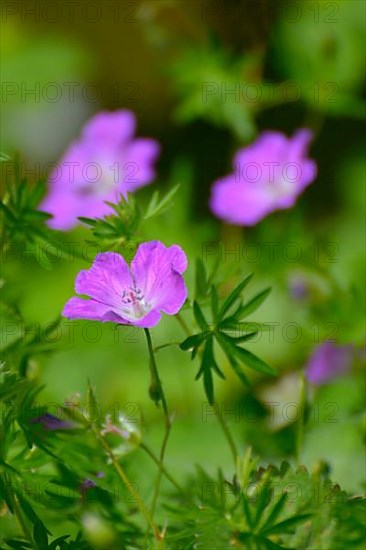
point(157, 394)
point(131, 488)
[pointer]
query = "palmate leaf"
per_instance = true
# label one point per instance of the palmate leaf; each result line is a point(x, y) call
point(265, 520)
point(118, 226)
point(225, 321)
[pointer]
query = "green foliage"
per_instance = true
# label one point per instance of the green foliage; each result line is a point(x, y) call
point(227, 329)
point(59, 460)
point(201, 76)
point(22, 223)
point(334, 32)
point(266, 508)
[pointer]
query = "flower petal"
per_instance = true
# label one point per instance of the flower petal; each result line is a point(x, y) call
point(78, 308)
point(106, 280)
point(269, 149)
point(299, 144)
point(112, 128)
point(157, 270)
point(64, 207)
point(328, 361)
point(139, 170)
point(240, 203)
point(150, 320)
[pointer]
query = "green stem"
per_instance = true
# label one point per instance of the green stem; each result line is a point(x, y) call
point(227, 434)
point(148, 451)
point(161, 465)
point(183, 324)
point(162, 346)
point(121, 473)
point(156, 388)
point(222, 422)
point(157, 394)
point(301, 422)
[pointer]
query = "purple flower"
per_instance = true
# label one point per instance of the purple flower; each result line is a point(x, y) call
point(298, 287)
point(327, 362)
point(89, 484)
point(133, 295)
point(104, 163)
point(268, 175)
point(51, 422)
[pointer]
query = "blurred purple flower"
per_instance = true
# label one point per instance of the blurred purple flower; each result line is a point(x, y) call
point(104, 163)
point(51, 422)
point(298, 287)
point(327, 362)
point(131, 296)
point(89, 484)
point(268, 175)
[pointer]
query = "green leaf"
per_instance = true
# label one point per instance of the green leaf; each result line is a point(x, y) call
point(275, 512)
point(247, 512)
point(245, 356)
point(250, 326)
point(233, 362)
point(8, 213)
point(287, 524)
point(192, 341)
point(155, 208)
point(92, 406)
point(244, 338)
point(200, 318)
point(207, 364)
point(214, 303)
point(233, 296)
point(88, 221)
point(253, 304)
point(208, 385)
point(17, 544)
point(40, 535)
point(270, 545)
point(265, 493)
point(252, 360)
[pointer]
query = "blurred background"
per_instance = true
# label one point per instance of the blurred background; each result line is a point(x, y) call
point(203, 79)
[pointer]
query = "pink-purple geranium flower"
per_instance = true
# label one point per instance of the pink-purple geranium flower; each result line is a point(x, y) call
point(105, 162)
point(131, 295)
point(328, 361)
point(268, 175)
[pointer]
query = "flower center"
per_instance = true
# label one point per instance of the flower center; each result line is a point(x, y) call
point(133, 303)
point(101, 178)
